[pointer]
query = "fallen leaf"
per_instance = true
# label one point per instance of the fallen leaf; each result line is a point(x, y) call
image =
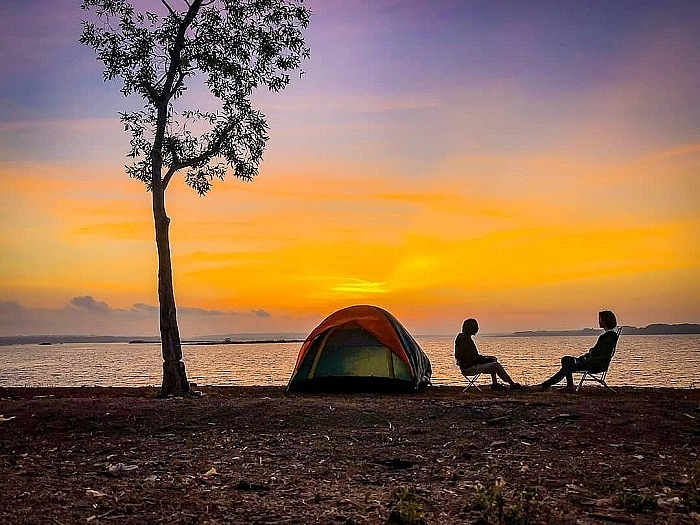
point(121, 466)
point(565, 416)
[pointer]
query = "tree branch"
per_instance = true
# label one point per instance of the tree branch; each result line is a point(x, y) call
point(208, 153)
point(173, 13)
point(175, 165)
point(162, 102)
point(169, 175)
point(175, 52)
point(178, 83)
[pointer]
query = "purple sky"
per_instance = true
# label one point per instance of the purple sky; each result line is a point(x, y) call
point(513, 130)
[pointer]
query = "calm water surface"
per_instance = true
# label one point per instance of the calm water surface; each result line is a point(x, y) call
point(670, 361)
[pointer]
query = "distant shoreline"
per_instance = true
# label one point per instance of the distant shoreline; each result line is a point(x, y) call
point(272, 338)
point(241, 342)
point(652, 329)
point(50, 340)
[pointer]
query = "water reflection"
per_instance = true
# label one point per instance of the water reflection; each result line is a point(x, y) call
point(640, 361)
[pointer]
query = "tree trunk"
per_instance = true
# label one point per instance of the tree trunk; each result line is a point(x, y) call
point(175, 381)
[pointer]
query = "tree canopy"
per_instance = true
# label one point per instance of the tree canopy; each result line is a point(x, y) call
point(232, 46)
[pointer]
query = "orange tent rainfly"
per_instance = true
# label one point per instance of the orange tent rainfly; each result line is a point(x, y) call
point(360, 348)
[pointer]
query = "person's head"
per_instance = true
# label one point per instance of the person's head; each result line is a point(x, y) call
point(607, 320)
point(470, 326)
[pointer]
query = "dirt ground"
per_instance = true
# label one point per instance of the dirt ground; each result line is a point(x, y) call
point(255, 455)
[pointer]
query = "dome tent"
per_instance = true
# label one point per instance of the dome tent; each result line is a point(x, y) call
point(360, 349)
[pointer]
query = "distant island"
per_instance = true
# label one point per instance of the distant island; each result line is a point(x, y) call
point(231, 339)
point(60, 339)
point(652, 329)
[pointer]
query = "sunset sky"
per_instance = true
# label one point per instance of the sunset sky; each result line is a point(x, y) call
point(526, 163)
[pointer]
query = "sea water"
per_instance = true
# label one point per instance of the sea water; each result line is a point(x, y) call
point(657, 361)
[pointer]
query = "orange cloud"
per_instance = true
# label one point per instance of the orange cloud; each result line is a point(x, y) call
point(691, 149)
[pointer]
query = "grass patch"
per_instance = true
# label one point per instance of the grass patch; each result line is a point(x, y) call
point(499, 506)
point(636, 501)
point(406, 509)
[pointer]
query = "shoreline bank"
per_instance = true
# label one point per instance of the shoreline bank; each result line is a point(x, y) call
point(430, 392)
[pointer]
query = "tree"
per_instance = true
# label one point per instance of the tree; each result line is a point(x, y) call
point(231, 47)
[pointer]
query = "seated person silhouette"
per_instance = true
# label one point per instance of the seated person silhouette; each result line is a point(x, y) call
point(471, 362)
point(595, 360)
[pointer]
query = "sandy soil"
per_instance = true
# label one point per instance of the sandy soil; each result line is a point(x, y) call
point(254, 455)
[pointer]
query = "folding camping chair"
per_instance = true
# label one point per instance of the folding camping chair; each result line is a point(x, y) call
point(599, 377)
point(471, 382)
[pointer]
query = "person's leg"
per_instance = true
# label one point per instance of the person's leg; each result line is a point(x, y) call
point(496, 369)
point(569, 365)
point(569, 379)
point(503, 374)
point(555, 378)
point(489, 368)
point(483, 368)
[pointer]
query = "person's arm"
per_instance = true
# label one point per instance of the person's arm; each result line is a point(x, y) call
point(593, 350)
point(601, 351)
point(478, 358)
point(604, 345)
point(467, 354)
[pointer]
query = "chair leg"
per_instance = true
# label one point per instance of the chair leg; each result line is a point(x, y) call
point(609, 388)
point(471, 382)
point(471, 385)
point(580, 383)
point(590, 377)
